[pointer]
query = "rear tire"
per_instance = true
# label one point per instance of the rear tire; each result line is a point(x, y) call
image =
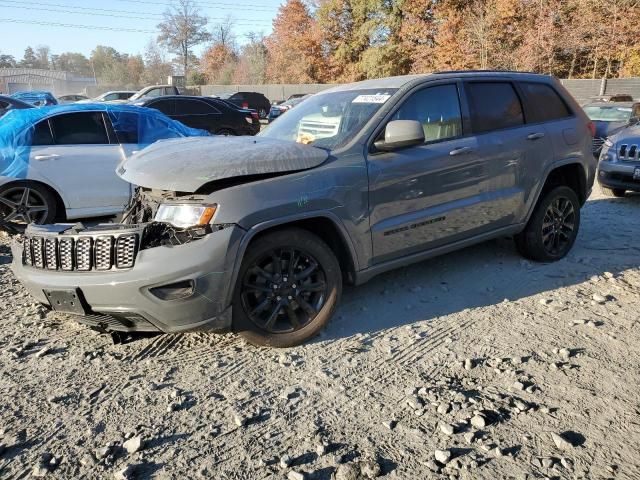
point(553, 227)
point(225, 132)
point(614, 192)
point(287, 289)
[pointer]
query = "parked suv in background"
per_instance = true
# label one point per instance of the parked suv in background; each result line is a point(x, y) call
point(258, 234)
point(609, 118)
point(211, 114)
point(619, 167)
point(253, 100)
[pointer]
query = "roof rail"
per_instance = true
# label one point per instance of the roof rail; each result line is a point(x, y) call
point(484, 71)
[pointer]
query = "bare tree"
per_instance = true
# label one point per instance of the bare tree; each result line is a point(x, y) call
point(222, 33)
point(183, 28)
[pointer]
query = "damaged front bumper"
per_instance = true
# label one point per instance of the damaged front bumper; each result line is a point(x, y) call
point(147, 277)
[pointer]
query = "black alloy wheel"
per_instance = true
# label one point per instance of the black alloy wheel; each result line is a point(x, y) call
point(284, 290)
point(558, 225)
point(553, 226)
point(287, 289)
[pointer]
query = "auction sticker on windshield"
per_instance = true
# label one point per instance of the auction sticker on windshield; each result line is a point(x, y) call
point(379, 98)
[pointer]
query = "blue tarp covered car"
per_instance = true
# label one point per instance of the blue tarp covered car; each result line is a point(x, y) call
point(39, 98)
point(61, 161)
point(131, 124)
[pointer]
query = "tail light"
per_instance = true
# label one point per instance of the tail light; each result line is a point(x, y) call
point(245, 105)
point(592, 128)
point(255, 116)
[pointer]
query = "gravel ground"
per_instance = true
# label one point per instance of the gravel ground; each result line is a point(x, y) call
point(476, 365)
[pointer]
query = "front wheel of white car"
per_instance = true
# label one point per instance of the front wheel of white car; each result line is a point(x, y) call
point(25, 202)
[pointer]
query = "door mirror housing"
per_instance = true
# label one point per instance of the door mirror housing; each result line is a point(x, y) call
point(400, 134)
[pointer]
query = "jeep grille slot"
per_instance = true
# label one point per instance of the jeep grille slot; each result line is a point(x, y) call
point(82, 253)
point(629, 153)
point(104, 253)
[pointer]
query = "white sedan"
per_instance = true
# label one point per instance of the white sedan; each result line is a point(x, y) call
point(60, 162)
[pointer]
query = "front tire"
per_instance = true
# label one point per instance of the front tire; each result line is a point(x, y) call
point(553, 227)
point(288, 288)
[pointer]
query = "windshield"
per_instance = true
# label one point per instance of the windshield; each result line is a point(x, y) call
point(329, 120)
point(609, 114)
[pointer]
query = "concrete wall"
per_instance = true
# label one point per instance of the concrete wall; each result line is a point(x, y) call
point(61, 83)
point(581, 89)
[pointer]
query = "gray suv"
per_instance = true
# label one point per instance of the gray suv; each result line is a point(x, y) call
point(619, 168)
point(258, 234)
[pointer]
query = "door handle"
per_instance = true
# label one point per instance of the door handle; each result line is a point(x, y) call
point(47, 157)
point(535, 136)
point(460, 151)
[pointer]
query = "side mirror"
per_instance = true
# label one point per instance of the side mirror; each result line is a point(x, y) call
point(400, 134)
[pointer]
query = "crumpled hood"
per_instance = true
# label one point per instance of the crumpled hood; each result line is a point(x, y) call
point(186, 164)
point(629, 135)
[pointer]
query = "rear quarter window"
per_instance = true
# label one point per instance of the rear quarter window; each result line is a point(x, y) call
point(545, 104)
point(493, 106)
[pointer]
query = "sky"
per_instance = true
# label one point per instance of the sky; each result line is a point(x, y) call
point(126, 25)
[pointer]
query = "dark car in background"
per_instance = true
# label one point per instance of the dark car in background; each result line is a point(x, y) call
point(277, 110)
point(609, 118)
point(211, 114)
point(10, 103)
point(37, 98)
point(253, 100)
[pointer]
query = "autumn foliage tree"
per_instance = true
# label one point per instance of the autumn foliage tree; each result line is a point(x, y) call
point(294, 49)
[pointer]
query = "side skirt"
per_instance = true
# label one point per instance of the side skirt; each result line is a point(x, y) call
point(367, 274)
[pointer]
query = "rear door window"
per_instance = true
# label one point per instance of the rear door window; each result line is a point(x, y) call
point(79, 128)
point(493, 106)
point(168, 107)
point(437, 109)
point(42, 134)
point(194, 107)
point(544, 102)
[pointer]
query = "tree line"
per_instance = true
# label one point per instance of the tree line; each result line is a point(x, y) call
point(347, 40)
point(326, 41)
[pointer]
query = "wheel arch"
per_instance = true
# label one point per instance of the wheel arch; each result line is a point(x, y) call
point(322, 224)
point(571, 173)
point(60, 205)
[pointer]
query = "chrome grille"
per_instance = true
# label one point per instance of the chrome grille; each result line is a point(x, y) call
point(65, 252)
point(104, 253)
point(38, 254)
point(81, 253)
point(126, 251)
point(629, 153)
point(50, 253)
point(27, 254)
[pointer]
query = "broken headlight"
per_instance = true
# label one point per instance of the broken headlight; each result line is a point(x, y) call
point(185, 215)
